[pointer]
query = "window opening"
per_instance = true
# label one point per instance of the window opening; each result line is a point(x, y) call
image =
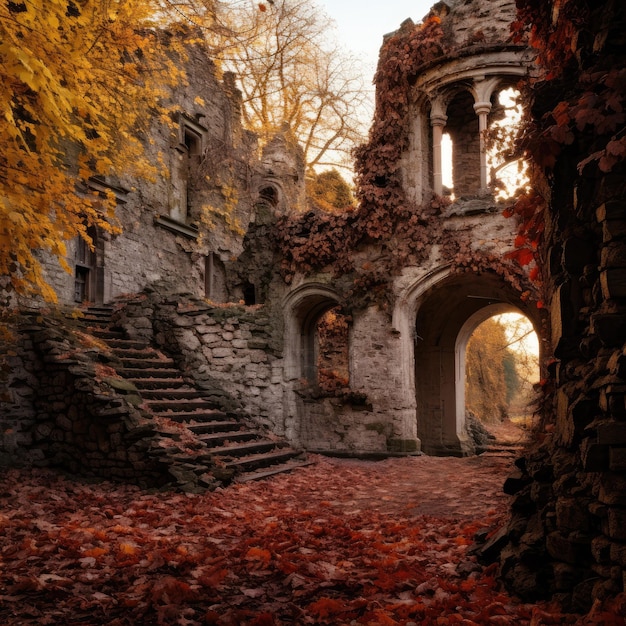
point(193, 142)
point(447, 178)
point(186, 159)
point(269, 195)
point(85, 262)
point(462, 128)
point(249, 294)
point(332, 370)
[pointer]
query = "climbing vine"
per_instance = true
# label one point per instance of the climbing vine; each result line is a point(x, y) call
point(579, 99)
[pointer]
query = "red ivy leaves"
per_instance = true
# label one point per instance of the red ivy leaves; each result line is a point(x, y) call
point(596, 115)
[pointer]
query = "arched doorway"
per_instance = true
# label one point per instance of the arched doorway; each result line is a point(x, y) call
point(305, 307)
point(447, 313)
point(316, 362)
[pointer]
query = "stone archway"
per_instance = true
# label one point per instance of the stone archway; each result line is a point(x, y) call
point(439, 312)
point(303, 307)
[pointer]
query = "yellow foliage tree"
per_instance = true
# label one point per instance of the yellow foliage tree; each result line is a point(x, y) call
point(79, 78)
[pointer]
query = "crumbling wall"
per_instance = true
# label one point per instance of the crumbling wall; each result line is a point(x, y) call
point(567, 535)
point(159, 240)
point(230, 351)
point(64, 406)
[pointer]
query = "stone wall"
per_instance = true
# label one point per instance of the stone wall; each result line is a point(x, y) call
point(230, 350)
point(236, 354)
point(567, 535)
point(192, 217)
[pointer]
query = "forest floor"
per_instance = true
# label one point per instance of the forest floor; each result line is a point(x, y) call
point(338, 542)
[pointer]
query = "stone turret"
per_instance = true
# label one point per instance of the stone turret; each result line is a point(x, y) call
point(457, 95)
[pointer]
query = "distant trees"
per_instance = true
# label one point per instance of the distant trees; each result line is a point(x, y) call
point(498, 376)
point(291, 72)
point(329, 191)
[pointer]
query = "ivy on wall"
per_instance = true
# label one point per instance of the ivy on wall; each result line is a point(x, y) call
point(395, 231)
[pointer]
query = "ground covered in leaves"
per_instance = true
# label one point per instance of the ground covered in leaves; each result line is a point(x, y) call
point(337, 542)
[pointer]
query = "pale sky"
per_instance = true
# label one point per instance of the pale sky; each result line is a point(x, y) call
point(361, 24)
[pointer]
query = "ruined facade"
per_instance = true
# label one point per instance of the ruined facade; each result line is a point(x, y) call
point(213, 298)
point(204, 231)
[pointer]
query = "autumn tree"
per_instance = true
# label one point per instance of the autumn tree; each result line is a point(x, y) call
point(80, 78)
point(329, 190)
point(291, 73)
point(491, 378)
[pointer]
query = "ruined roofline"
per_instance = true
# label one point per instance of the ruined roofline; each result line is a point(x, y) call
point(476, 50)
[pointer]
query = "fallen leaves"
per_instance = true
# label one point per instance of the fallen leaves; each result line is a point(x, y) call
point(340, 542)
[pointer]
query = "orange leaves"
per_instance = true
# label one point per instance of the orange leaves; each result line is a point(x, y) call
point(254, 554)
point(95, 552)
point(258, 557)
point(65, 75)
point(326, 607)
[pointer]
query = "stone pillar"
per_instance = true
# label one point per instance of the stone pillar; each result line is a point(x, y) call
point(438, 122)
point(482, 109)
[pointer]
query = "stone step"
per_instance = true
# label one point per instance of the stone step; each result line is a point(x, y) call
point(138, 364)
point(219, 438)
point(98, 311)
point(129, 344)
point(202, 417)
point(106, 333)
point(243, 450)
point(258, 461)
point(234, 451)
point(172, 394)
point(173, 408)
point(150, 372)
point(145, 353)
point(284, 467)
point(157, 382)
point(216, 426)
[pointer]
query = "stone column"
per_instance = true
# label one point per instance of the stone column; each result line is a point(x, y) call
point(482, 109)
point(438, 122)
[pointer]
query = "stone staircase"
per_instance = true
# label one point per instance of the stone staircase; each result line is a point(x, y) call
point(230, 444)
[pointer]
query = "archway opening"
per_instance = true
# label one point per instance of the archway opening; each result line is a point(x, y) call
point(333, 368)
point(325, 351)
point(501, 371)
point(447, 315)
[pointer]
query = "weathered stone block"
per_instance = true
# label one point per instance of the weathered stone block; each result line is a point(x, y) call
point(617, 524)
point(610, 328)
point(572, 514)
point(62, 421)
point(188, 340)
point(613, 229)
point(611, 210)
point(568, 549)
point(617, 553)
point(612, 489)
point(611, 432)
point(601, 549)
point(566, 576)
point(612, 399)
point(595, 457)
point(617, 459)
point(613, 282)
point(220, 353)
